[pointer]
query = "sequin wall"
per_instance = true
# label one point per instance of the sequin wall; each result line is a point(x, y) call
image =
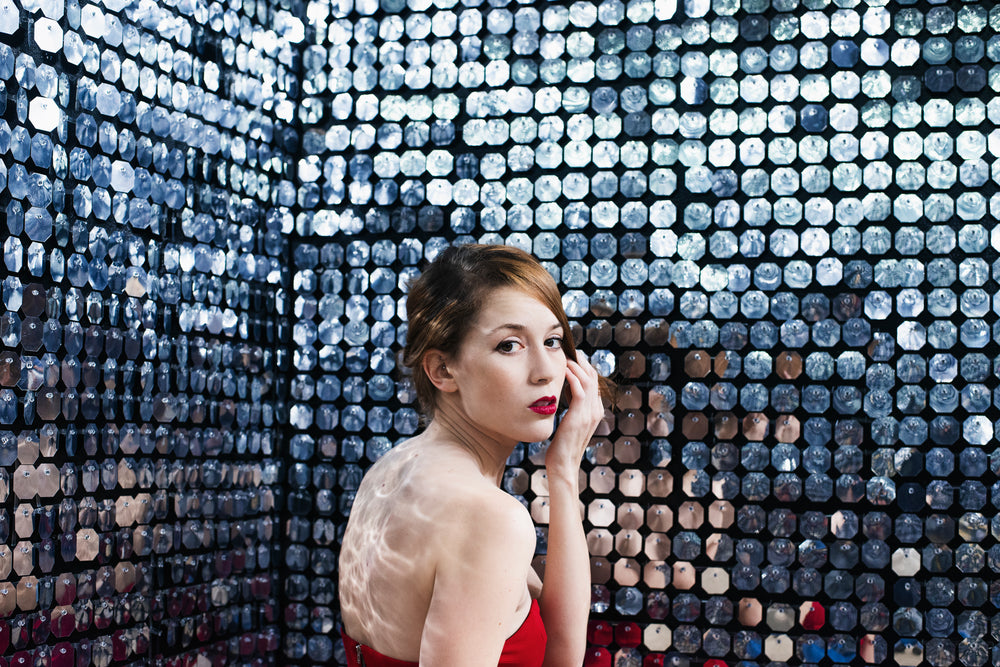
point(772, 220)
point(146, 180)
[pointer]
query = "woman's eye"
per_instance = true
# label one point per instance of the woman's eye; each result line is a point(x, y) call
point(507, 346)
point(554, 342)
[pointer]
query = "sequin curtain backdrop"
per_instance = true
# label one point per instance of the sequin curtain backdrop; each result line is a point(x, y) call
point(774, 220)
point(146, 182)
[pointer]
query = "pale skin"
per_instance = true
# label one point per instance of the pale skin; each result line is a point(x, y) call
point(436, 561)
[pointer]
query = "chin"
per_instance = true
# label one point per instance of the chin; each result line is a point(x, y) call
point(537, 434)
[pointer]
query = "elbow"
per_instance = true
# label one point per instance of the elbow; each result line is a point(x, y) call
point(565, 652)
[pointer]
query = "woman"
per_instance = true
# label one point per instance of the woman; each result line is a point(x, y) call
point(435, 567)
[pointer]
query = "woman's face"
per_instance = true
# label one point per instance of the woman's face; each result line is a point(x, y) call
point(510, 369)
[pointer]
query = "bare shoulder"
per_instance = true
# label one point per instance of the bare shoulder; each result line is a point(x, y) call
point(446, 496)
point(491, 512)
point(472, 514)
point(426, 526)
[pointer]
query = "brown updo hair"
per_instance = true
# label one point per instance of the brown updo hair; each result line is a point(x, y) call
point(446, 298)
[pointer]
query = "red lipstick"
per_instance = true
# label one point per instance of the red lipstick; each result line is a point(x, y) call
point(545, 406)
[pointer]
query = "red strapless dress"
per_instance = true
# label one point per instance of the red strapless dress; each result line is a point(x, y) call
point(524, 648)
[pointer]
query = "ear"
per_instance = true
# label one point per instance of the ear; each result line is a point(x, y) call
point(436, 368)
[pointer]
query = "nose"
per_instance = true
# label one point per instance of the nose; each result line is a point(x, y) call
point(548, 365)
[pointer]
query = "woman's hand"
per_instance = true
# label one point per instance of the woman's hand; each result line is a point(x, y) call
point(566, 591)
point(577, 426)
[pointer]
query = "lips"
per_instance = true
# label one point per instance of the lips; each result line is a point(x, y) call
point(544, 406)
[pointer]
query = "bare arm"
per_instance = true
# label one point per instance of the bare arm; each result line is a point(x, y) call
point(479, 583)
point(565, 597)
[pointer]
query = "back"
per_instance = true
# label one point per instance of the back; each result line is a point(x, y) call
point(525, 648)
point(387, 558)
point(403, 523)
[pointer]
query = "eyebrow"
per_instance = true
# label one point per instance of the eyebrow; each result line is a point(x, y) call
point(512, 326)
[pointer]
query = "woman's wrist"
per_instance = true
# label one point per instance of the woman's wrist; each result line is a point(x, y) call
point(565, 475)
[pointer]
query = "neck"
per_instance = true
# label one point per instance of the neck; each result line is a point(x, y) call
point(450, 426)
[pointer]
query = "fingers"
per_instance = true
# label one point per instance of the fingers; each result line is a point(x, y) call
point(582, 361)
point(584, 383)
point(573, 380)
point(583, 366)
point(582, 380)
point(586, 410)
